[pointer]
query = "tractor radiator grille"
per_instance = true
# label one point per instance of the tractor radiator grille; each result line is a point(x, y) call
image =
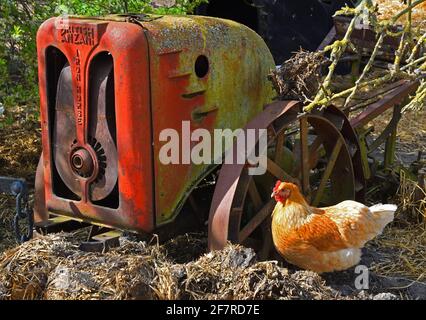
point(83, 170)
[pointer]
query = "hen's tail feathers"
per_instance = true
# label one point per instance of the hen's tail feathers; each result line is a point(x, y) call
point(383, 214)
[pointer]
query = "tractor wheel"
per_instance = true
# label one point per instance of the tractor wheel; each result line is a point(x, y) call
point(318, 151)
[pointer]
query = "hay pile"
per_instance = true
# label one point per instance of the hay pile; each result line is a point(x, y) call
point(234, 274)
point(52, 267)
point(125, 274)
point(299, 77)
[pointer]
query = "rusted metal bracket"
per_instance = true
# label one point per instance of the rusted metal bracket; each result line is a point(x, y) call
point(101, 240)
point(59, 223)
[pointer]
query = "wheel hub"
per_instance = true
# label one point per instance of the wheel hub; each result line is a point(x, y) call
point(82, 163)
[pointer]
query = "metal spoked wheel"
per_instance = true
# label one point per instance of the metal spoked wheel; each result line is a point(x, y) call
point(317, 151)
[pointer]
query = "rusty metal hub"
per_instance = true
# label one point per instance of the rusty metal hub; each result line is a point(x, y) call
point(82, 163)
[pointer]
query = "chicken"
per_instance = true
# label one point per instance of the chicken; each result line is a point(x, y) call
point(324, 239)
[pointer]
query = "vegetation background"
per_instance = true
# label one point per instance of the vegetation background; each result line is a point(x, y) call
point(19, 21)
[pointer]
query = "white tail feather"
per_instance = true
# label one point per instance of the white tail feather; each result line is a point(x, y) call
point(383, 207)
point(384, 214)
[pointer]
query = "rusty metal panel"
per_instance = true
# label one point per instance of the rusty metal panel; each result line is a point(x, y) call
point(230, 92)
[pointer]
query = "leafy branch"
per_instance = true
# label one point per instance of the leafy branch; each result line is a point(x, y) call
point(413, 68)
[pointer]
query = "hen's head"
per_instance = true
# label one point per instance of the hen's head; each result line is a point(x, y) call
point(286, 190)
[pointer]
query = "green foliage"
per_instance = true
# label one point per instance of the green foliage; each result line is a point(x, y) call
point(101, 7)
point(20, 19)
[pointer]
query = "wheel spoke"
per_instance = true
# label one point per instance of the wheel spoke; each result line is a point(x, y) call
point(254, 194)
point(313, 151)
point(272, 133)
point(277, 172)
point(240, 195)
point(279, 146)
point(304, 154)
point(312, 154)
point(267, 239)
point(330, 166)
point(193, 203)
point(256, 220)
point(234, 224)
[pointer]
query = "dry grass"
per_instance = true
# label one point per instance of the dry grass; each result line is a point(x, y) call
point(388, 8)
point(411, 199)
point(403, 245)
point(412, 131)
point(403, 251)
point(20, 145)
point(25, 269)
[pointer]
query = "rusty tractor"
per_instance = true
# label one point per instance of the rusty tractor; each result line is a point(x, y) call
point(110, 85)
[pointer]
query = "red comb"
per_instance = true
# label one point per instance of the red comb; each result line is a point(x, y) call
point(277, 185)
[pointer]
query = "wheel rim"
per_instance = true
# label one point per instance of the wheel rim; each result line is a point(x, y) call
point(241, 214)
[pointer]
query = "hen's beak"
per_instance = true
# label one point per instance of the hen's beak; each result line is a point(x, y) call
point(284, 193)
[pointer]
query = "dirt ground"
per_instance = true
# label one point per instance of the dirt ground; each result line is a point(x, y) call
point(53, 267)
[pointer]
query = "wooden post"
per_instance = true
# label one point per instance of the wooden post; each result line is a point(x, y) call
point(364, 152)
point(391, 141)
